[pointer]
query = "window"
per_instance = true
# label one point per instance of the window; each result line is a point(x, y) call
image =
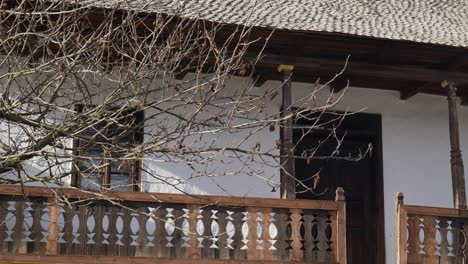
point(101, 152)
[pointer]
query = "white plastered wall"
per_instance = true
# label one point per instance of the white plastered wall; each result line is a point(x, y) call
point(416, 159)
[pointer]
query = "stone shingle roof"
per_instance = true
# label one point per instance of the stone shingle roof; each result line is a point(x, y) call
point(429, 21)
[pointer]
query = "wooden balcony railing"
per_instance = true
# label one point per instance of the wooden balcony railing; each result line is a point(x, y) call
point(430, 235)
point(55, 225)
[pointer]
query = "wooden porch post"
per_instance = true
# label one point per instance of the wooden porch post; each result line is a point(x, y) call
point(341, 226)
point(456, 161)
point(401, 235)
point(288, 183)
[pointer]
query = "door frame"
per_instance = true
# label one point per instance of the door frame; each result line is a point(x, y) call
point(373, 131)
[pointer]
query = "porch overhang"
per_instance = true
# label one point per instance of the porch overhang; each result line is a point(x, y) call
point(404, 66)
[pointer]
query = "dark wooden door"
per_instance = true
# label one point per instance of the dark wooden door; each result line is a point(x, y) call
point(358, 173)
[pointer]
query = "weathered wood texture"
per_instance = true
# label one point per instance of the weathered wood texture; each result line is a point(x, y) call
point(288, 182)
point(430, 234)
point(168, 226)
point(456, 161)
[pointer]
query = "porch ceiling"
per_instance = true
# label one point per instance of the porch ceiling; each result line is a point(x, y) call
point(407, 67)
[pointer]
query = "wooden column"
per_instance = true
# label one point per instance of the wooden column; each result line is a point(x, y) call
point(288, 183)
point(340, 226)
point(456, 161)
point(401, 235)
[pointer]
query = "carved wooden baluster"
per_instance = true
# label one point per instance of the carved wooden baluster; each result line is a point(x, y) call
point(259, 230)
point(169, 225)
point(82, 230)
point(444, 251)
point(322, 240)
point(185, 228)
point(113, 215)
point(297, 254)
point(126, 249)
point(119, 230)
point(314, 233)
point(160, 232)
point(10, 223)
point(238, 243)
point(27, 225)
point(430, 245)
point(68, 236)
point(245, 231)
point(123, 232)
point(282, 251)
point(224, 250)
point(458, 240)
point(98, 248)
point(105, 231)
point(150, 227)
point(450, 238)
point(90, 233)
point(252, 236)
point(308, 240)
point(207, 251)
point(464, 239)
point(18, 245)
point(330, 233)
point(37, 228)
point(214, 229)
point(193, 251)
point(134, 227)
point(414, 242)
point(144, 244)
point(61, 229)
point(178, 251)
point(267, 219)
point(272, 231)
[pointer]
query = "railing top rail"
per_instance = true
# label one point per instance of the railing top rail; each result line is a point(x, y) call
point(435, 211)
point(71, 193)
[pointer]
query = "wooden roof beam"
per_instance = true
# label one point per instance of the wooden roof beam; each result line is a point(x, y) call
point(413, 89)
point(356, 68)
point(454, 65)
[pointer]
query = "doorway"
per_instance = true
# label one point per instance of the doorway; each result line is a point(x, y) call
point(356, 165)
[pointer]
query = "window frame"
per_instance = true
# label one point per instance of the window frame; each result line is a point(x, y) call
point(135, 174)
